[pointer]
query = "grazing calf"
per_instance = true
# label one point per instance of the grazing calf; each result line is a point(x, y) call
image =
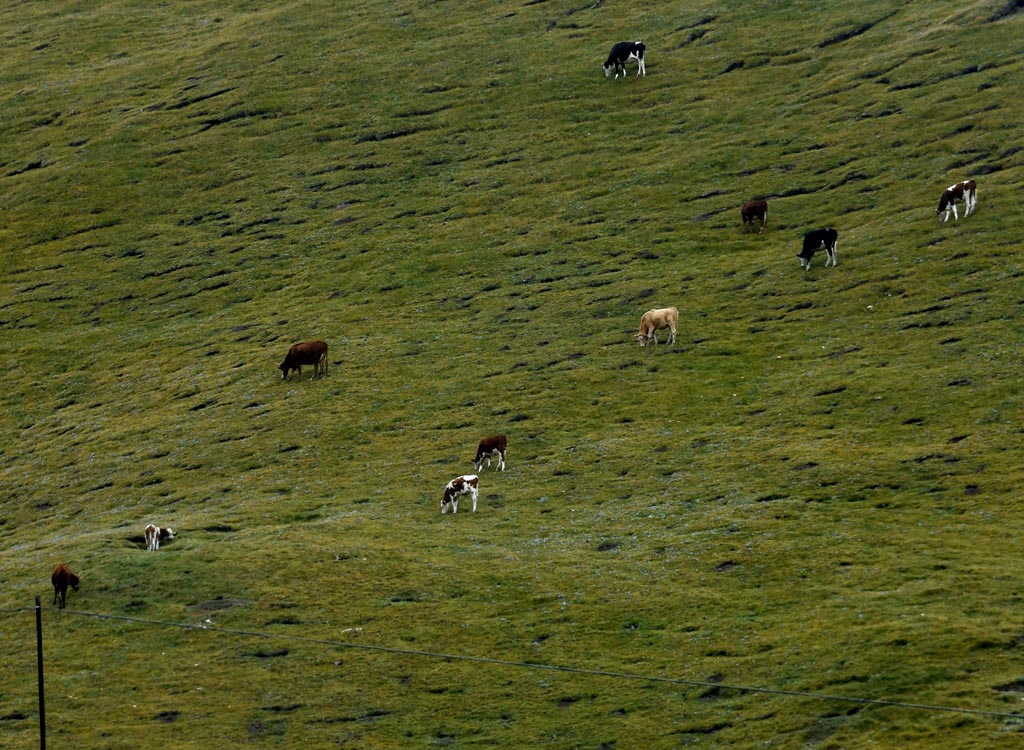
point(753, 212)
point(965, 192)
point(654, 320)
point(818, 239)
point(306, 353)
point(491, 446)
point(61, 578)
point(464, 485)
point(621, 54)
point(156, 534)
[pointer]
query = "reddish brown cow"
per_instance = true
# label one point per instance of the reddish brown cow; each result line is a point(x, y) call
point(494, 445)
point(306, 353)
point(61, 578)
point(753, 212)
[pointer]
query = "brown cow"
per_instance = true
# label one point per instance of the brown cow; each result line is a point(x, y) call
point(753, 212)
point(494, 445)
point(306, 353)
point(653, 320)
point(61, 578)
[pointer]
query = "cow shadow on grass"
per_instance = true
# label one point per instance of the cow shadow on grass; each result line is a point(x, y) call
point(139, 540)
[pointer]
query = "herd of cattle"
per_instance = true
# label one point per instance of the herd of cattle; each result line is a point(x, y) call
point(492, 447)
point(753, 213)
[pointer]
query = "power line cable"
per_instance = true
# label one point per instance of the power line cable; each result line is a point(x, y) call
point(548, 667)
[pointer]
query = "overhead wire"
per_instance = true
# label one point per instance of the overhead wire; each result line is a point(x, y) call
point(611, 674)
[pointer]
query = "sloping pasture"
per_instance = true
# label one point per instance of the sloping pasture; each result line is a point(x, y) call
point(814, 494)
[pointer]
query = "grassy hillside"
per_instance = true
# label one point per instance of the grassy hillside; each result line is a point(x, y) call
point(814, 493)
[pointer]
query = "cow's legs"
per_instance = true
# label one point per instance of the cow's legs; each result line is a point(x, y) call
point(831, 259)
point(473, 493)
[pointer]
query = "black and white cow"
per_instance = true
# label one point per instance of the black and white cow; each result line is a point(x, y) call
point(965, 192)
point(621, 54)
point(819, 239)
point(464, 485)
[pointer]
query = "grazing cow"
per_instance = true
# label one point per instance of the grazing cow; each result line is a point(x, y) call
point(306, 353)
point(753, 212)
point(156, 534)
point(654, 320)
point(966, 191)
point(491, 446)
point(61, 578)
point(816, 240)
point(464, 485)
point(621, 54)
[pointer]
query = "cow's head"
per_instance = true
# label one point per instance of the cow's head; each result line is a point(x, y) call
point(166, 533)
point(608, 70)
point(73, 580)
point(642, 338)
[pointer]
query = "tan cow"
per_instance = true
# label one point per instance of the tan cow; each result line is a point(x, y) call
point(654, 320)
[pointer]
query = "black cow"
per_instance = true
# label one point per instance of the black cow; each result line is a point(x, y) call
point(819, 239)
point(621, 54)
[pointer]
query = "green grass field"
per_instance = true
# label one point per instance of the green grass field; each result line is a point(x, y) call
point(814, 495)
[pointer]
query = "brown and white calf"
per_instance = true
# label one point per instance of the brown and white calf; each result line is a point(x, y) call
point(654, 320)
point(754, 212)
point(467, 484)
point(965, 192)
point(306, 353)
point(61, 578)
point(156, 534)
point(494, 445)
